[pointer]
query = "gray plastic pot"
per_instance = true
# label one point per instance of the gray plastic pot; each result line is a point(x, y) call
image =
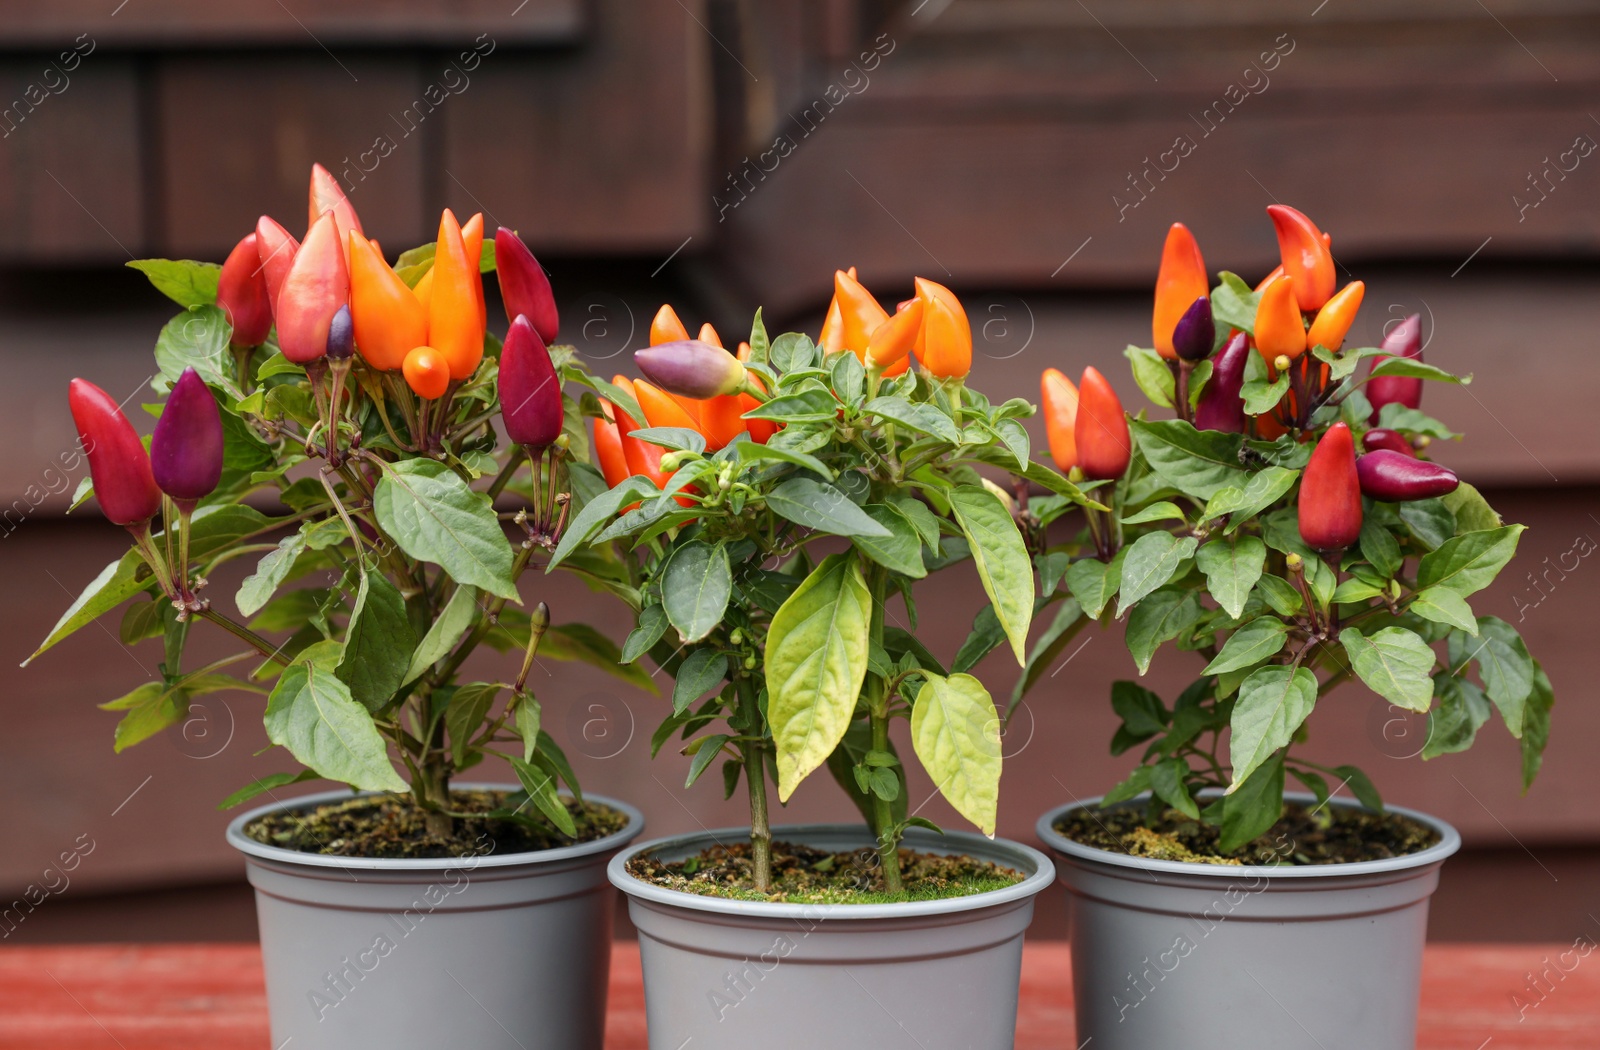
point(1201, 955)
point(483, 951)
point(741, 974)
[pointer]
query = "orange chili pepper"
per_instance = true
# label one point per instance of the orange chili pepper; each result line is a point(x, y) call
point(1279, 326)
point(661, 409)
point(389, 320)
point(859, 313)
point(427, 372)
point(719, 417)
point(1336, 316)
point(928, 291)
point(608, 448)
point(1277, 272)
point(454, 328)
point(641, 456)
point(424, 291)
point(1306, 256)
point(946, 339)
point(1100, 430)
point(760, 430)
point(1059, 399)
point(472, 241)
point(666, 328)
point(891, 342)
point(1180, 281)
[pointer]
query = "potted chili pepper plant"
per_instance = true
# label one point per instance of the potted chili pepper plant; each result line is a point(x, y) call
point(774, 502)
point(338, 420)
point(1288, 527)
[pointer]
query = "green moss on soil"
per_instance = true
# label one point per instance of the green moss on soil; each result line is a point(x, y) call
point(801, 875)
point(1330, 835)
point(393, 827)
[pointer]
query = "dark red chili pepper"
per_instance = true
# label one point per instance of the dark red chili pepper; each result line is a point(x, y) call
point(242, 294)
point(691, 368)
point(341, 335)
point(1330, 493)
point(186, 446)
point(1395, 477)
point(524, 286)
point(530, 391)
point(118, 464)
point(1221, 407)
point(1196, 332)
point(1393, 440)
point(1404, 341)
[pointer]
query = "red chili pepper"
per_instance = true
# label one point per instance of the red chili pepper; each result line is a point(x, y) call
point(186, 446)
point(242, 294)
point(1330, 493)
point(524, 285)
point(118, 464)
point(1221, 407)
point(1336, 316)
point(1101, 429)
point(317, 285)
point(1305, 254)
point(277, 248)
point(327, 195)
point(1393, 440)
point(1059, 400)
point(641, 456)
point(1180, 281)
point(530, 390)
point(1404, 341)
point(1280, 330)
point(1395, 477)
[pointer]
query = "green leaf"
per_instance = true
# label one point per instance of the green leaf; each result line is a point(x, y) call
point(184, 281)
point(1272, 704)
point(597, 513)
point(1093, 582)
point(1262, 396)
point(901, 551)
point(541, 789)
point(985, 636)
point(813, 403)
point(1232, 568)
point(1159, 618)
point(1167, 780)
point(695, 587)
point(1504, 665)
point(1261, 639)
point(1442, 605)
point(705, 750)
point(1001, 558)
point(1454, 722)
point(652, 628)
point(198, 339)
point(1161, 511)
point(1429, 520)
point(267, 783)
point(312, 713)
point(677, 438)
point(1263, 489)
point(1142, 712)
point(528, 718)
point(1135, 784)
point(273, 568)
point(1360, 786)
point(115, 584)
point(816, 661)
point(435, 517)
point(1016, 441)
point(792, 350)
point(1252, 807)
point(1394, 663)
point(1048, 646)
point(1195, 462)
point(1469, 562)
point(1354, 590)
point(759, 343)
point(823, 507)
point(1150, 371)
point(469, 706)
point(1153, 559)
point(454, 619)
point(1380, 549)
point(1536, 726)
point(1233, 303)
point(955, 731)
point(699, 672)
point(151, 708)
point(924, 419)
point(1412, 368)
point(1280, 595)
point(750, 452)
point(144, 620)
point(918, 514)
point(1472, 512)
point(378, 643)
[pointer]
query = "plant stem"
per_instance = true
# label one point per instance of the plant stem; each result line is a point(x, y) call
point(244, 634)
point(755, 773)
point(878, 712)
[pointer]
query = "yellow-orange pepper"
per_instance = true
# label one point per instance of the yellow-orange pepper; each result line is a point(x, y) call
point(891, 342)
point(1279, 327)
point(1333, 321)
point(946, 340)
point(427, 372)
point(454, 325)
point(1059, 399)
point(666, 328)
point(1180, 281)
point(472, 241)
point(860, 314)
point(389, 321)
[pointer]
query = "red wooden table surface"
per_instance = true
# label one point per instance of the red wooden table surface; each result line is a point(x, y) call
point(210, 997)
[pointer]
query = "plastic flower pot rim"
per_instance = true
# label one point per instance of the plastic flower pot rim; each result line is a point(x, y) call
point(249, 846)
point(1449, 842)
point(1002, 851)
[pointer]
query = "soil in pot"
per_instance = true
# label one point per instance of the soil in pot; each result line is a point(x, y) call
point(1325, 835)
point(802, 875)
point(393, 827)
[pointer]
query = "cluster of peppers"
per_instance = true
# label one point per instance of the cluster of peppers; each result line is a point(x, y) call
point(333, 300)
point(696, 384)
point(1298, 311)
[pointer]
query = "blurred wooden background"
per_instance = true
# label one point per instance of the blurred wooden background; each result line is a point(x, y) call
point(725, 154)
